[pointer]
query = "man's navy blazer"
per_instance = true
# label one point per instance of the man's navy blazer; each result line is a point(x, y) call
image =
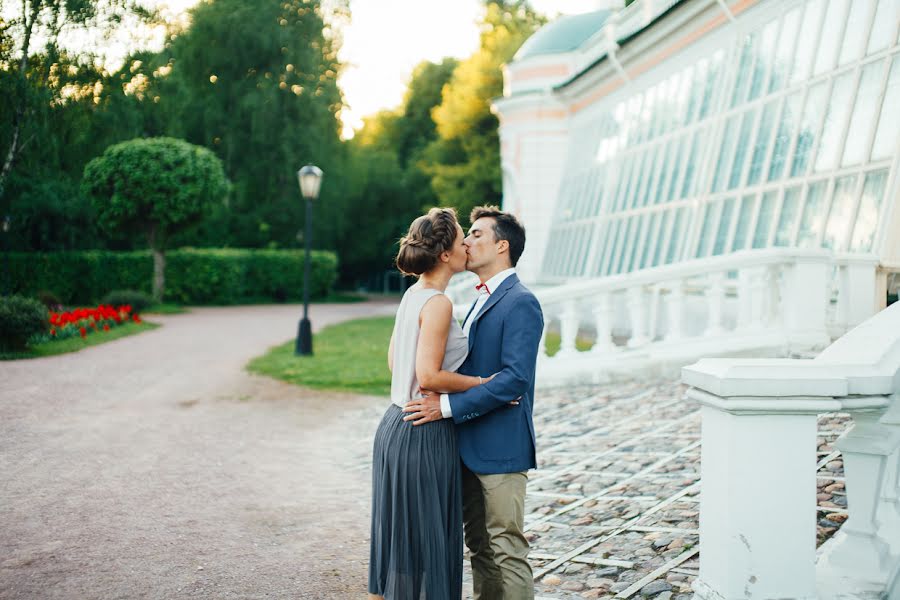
point(494, 436)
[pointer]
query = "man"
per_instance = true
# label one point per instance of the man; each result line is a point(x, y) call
point(494, 420)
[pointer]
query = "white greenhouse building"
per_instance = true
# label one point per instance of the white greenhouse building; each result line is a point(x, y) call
point(721, 178)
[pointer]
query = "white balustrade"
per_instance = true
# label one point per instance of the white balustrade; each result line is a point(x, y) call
point(757, 512)
point(770, 301)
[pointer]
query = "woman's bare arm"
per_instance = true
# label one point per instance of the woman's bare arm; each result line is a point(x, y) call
point(434, 327)
point(391, 354)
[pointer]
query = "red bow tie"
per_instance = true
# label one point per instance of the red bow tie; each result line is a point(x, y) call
point(482, 288)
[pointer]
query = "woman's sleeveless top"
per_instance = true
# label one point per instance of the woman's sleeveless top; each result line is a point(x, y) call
point(404, 384)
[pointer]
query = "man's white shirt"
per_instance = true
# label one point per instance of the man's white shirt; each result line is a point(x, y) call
point(492, 284)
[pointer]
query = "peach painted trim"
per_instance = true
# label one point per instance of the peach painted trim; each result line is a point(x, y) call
point(532, 115)
point(671, 49)
point(538, 72)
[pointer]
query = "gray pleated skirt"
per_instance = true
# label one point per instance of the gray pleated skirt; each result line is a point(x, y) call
point(417, 539)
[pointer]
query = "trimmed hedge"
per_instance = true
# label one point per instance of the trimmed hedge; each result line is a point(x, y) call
point(193, 276)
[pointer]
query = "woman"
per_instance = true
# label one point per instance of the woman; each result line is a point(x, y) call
point(416, 542)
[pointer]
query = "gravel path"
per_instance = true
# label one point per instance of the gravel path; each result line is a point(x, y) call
point(154, 466)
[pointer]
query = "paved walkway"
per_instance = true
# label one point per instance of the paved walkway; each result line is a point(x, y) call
point(155, 467)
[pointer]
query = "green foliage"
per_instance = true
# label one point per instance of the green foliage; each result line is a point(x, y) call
point(195, 276)
point(137, 300)
point(154, 186)
point(464, 163)
point(348, 357)
point(21, 318)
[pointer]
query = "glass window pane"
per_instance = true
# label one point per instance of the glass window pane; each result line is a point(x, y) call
point(693, 157)
point(724, 226)
point(764, 222)
point(835, 122)
point(649, 241)
point(812, 117)
point(712, 83)
point(784, 54)
point(788, 217)
point(857, 27)
point(883, 25)
point(764, 60)
point(627, 246)
point(740, 153)
point(612, 234)
point(677, 236)
point(698, 84)
point(664, 170)
point(664, 230)
point(643, 193)
point(789, 116)
point(742, 79)
point(704, 244)
point(763, 141)
point(680, 150)
point(842, 207)
point(830, 41)
point(742, 229)
point(813, 215)
point(869, 206)
point(806, 43)
point(889, 124)
point(640, 242)
point(729, 139)
point(864, 112)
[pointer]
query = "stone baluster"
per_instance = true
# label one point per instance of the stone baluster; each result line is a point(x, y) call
point(745, 300)
point(804, 301)
point(637, 311)
point(857, 551)
point(542, 345)
point(715, 299)
point(568, 329)
point(889, 508)
point(675, 311)
point(603, 313)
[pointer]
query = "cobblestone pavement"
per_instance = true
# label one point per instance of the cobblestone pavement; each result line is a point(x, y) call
point(613, 510)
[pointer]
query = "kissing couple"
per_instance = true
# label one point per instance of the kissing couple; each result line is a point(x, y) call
point(451, 453)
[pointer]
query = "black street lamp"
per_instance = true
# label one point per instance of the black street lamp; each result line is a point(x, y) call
point(310, 179)
point(7, 220)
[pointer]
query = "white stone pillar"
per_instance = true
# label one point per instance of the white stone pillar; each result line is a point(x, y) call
point(675, 311)
point(858, 286)
point(804, 301)
point(715, 300)
point(757, 508)
point(637, 311)
point(568, 329)
point(603, 313)
point(745, 301)
point(889, 507)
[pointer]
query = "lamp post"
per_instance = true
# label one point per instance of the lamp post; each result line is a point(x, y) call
point(7, 220)
point(310, 179)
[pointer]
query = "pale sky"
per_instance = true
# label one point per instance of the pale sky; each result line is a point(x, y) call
point(383, 42)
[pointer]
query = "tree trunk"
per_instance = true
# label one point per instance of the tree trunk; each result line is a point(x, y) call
point(19, 113)
point(157, 246)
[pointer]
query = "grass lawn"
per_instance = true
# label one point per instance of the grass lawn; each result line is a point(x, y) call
point(553, 342)
point(348, 357)
point(74, 344)
point(164, 309)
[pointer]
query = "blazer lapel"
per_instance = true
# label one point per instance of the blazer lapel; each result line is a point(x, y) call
point(494, 299)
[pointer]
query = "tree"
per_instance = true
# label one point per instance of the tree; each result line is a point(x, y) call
point(256, 82)
point(155, 186)
point(26, 77)
point(464, 162)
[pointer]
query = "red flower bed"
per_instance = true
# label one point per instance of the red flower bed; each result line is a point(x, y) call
point(84, 321)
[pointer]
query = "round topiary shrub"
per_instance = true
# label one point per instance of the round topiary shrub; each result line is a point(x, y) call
point(21, 318)
point(139, 301)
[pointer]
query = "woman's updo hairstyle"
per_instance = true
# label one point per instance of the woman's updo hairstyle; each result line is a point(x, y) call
point(428, 237)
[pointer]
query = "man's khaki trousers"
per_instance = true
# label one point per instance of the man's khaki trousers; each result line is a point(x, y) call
point(494, 517)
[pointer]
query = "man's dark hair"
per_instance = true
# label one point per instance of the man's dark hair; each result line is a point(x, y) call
point(506, 227)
